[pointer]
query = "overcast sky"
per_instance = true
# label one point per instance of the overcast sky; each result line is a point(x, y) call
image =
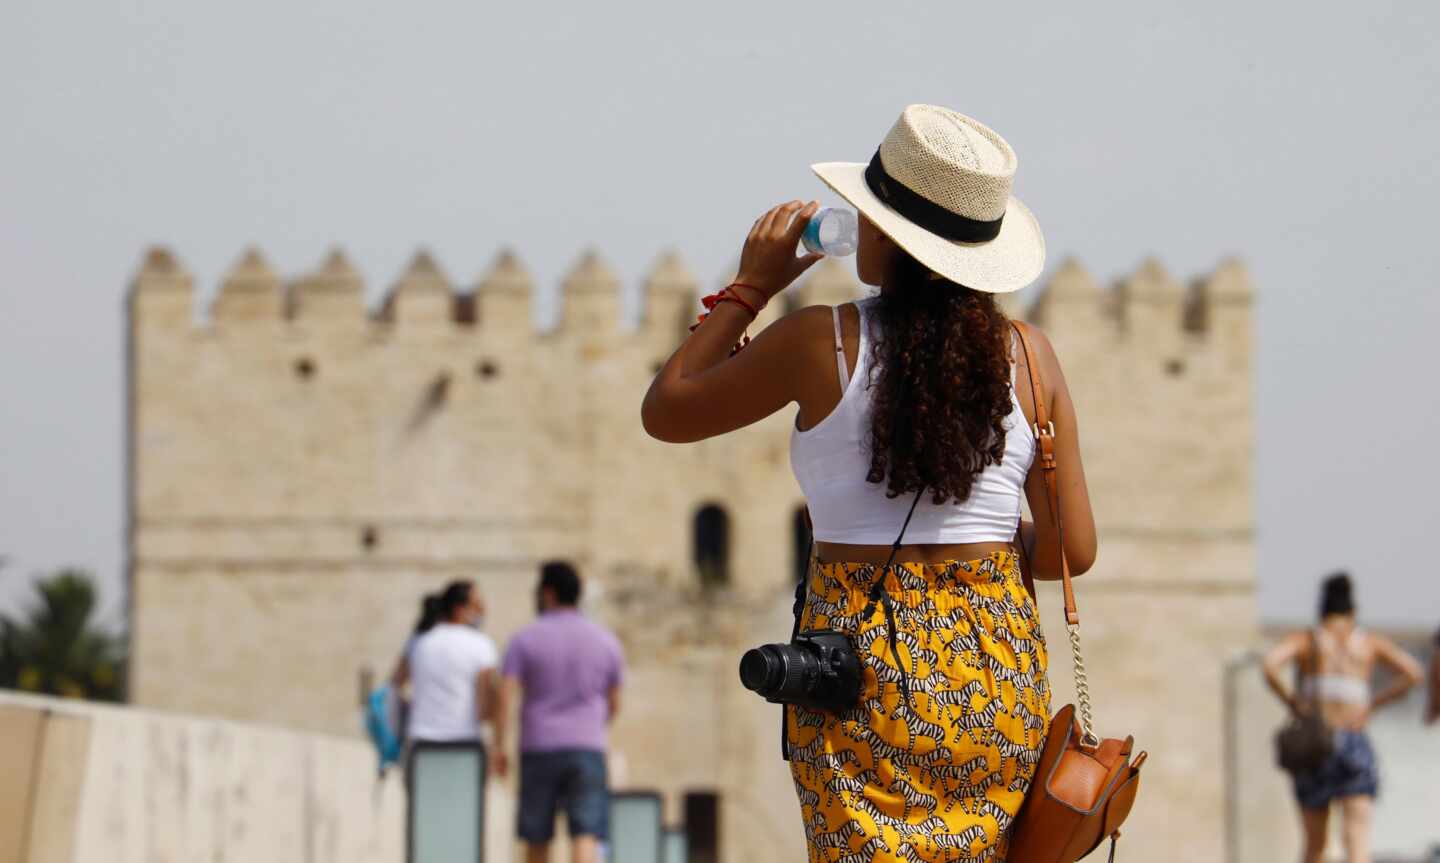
point(1300, 136)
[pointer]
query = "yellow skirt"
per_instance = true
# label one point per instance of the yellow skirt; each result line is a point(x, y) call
point(940, 776)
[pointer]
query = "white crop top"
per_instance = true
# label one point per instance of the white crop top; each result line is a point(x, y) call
point(831, 459)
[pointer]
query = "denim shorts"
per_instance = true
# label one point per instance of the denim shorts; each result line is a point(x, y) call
point(1349, 772)
point(570, 778)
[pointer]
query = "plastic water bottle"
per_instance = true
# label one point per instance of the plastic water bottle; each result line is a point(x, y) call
point(832, 231)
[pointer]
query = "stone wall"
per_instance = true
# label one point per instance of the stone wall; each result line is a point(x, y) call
point(84, 783)
point(302, 471)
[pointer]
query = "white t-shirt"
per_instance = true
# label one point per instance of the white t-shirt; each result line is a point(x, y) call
point(444, 664)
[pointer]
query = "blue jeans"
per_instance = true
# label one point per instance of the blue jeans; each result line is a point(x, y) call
point(573, 778)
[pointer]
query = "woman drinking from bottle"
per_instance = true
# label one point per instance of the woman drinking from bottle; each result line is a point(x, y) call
point(908, 412)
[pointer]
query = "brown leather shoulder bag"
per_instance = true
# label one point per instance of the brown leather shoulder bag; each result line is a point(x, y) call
point(1305, 742)
point(1083, 787)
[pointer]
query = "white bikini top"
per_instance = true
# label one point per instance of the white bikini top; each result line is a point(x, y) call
point(1332, 685)
point(831, 459)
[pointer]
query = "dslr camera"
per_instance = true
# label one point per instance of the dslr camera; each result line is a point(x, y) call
point(818, 669)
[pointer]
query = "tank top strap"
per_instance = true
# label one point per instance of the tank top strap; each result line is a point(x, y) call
point(1339, 655)
point(1324, 644)
point(831, 461)
point(840, 353)
point(865, 323)
point(1014, 358)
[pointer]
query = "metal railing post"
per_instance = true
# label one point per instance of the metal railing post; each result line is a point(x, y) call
point(1230, 735)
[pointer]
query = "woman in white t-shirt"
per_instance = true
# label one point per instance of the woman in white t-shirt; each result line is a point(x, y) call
point(400, 675)
point(452, 671)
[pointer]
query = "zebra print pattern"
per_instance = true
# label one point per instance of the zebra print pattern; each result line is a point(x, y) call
point(940, 777)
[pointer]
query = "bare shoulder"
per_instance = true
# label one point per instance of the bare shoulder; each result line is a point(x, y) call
point(1047, 361)
point(809, 319)
point(1044, 351)
point(1295, 645)
point(805, 328)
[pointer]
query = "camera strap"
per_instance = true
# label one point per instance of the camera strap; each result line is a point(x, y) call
point(802, 593)
point(877, 594)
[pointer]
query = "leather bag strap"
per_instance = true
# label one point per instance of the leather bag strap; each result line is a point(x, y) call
point(1044, 431)
point(1312, 684)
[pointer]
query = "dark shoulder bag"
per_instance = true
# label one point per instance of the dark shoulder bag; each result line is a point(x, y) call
point(1305, 742)
point(1083, 787)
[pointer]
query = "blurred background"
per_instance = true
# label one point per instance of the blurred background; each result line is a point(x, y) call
point(199, 202)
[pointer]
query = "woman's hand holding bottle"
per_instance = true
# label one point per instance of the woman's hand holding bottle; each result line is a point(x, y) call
point(768, 262)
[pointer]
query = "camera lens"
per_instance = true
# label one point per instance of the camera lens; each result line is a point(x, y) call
point(761, 669)
point(819, 670)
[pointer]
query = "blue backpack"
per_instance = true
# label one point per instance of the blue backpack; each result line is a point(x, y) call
point(381, 726)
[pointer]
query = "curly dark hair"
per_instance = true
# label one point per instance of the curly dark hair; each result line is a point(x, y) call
point(940, 378)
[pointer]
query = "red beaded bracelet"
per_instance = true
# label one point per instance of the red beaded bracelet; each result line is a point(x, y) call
point(728, 294)
point(733, 297)
point(764, 300)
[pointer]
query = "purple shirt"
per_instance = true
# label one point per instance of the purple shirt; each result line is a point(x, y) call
point(567, 666)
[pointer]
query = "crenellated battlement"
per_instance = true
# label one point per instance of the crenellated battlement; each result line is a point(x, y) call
point(1149, 292)
point(1149, 302)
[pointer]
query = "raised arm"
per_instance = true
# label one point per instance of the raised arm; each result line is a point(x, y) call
point(702, 391)
point(1077, 518)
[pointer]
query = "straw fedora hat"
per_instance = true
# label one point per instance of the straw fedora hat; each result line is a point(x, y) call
point(939, 186)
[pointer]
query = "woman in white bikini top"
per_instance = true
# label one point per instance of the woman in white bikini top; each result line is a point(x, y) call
point(1334, 663)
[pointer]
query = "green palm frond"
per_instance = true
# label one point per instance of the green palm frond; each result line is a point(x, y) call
point(57, 649)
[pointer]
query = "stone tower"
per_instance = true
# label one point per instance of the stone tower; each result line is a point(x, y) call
point(302, 472)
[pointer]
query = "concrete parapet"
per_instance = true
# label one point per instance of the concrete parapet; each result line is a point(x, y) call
point(86, 783)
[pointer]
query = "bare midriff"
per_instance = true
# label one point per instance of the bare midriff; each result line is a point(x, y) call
point(1341, 714)
point(840, 552)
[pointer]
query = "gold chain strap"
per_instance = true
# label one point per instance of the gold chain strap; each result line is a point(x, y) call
point(1082, 690)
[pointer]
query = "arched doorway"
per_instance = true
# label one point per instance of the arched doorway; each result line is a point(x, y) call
point(712, 545)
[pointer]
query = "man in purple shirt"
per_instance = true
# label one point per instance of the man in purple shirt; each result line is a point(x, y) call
point(569, 670)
